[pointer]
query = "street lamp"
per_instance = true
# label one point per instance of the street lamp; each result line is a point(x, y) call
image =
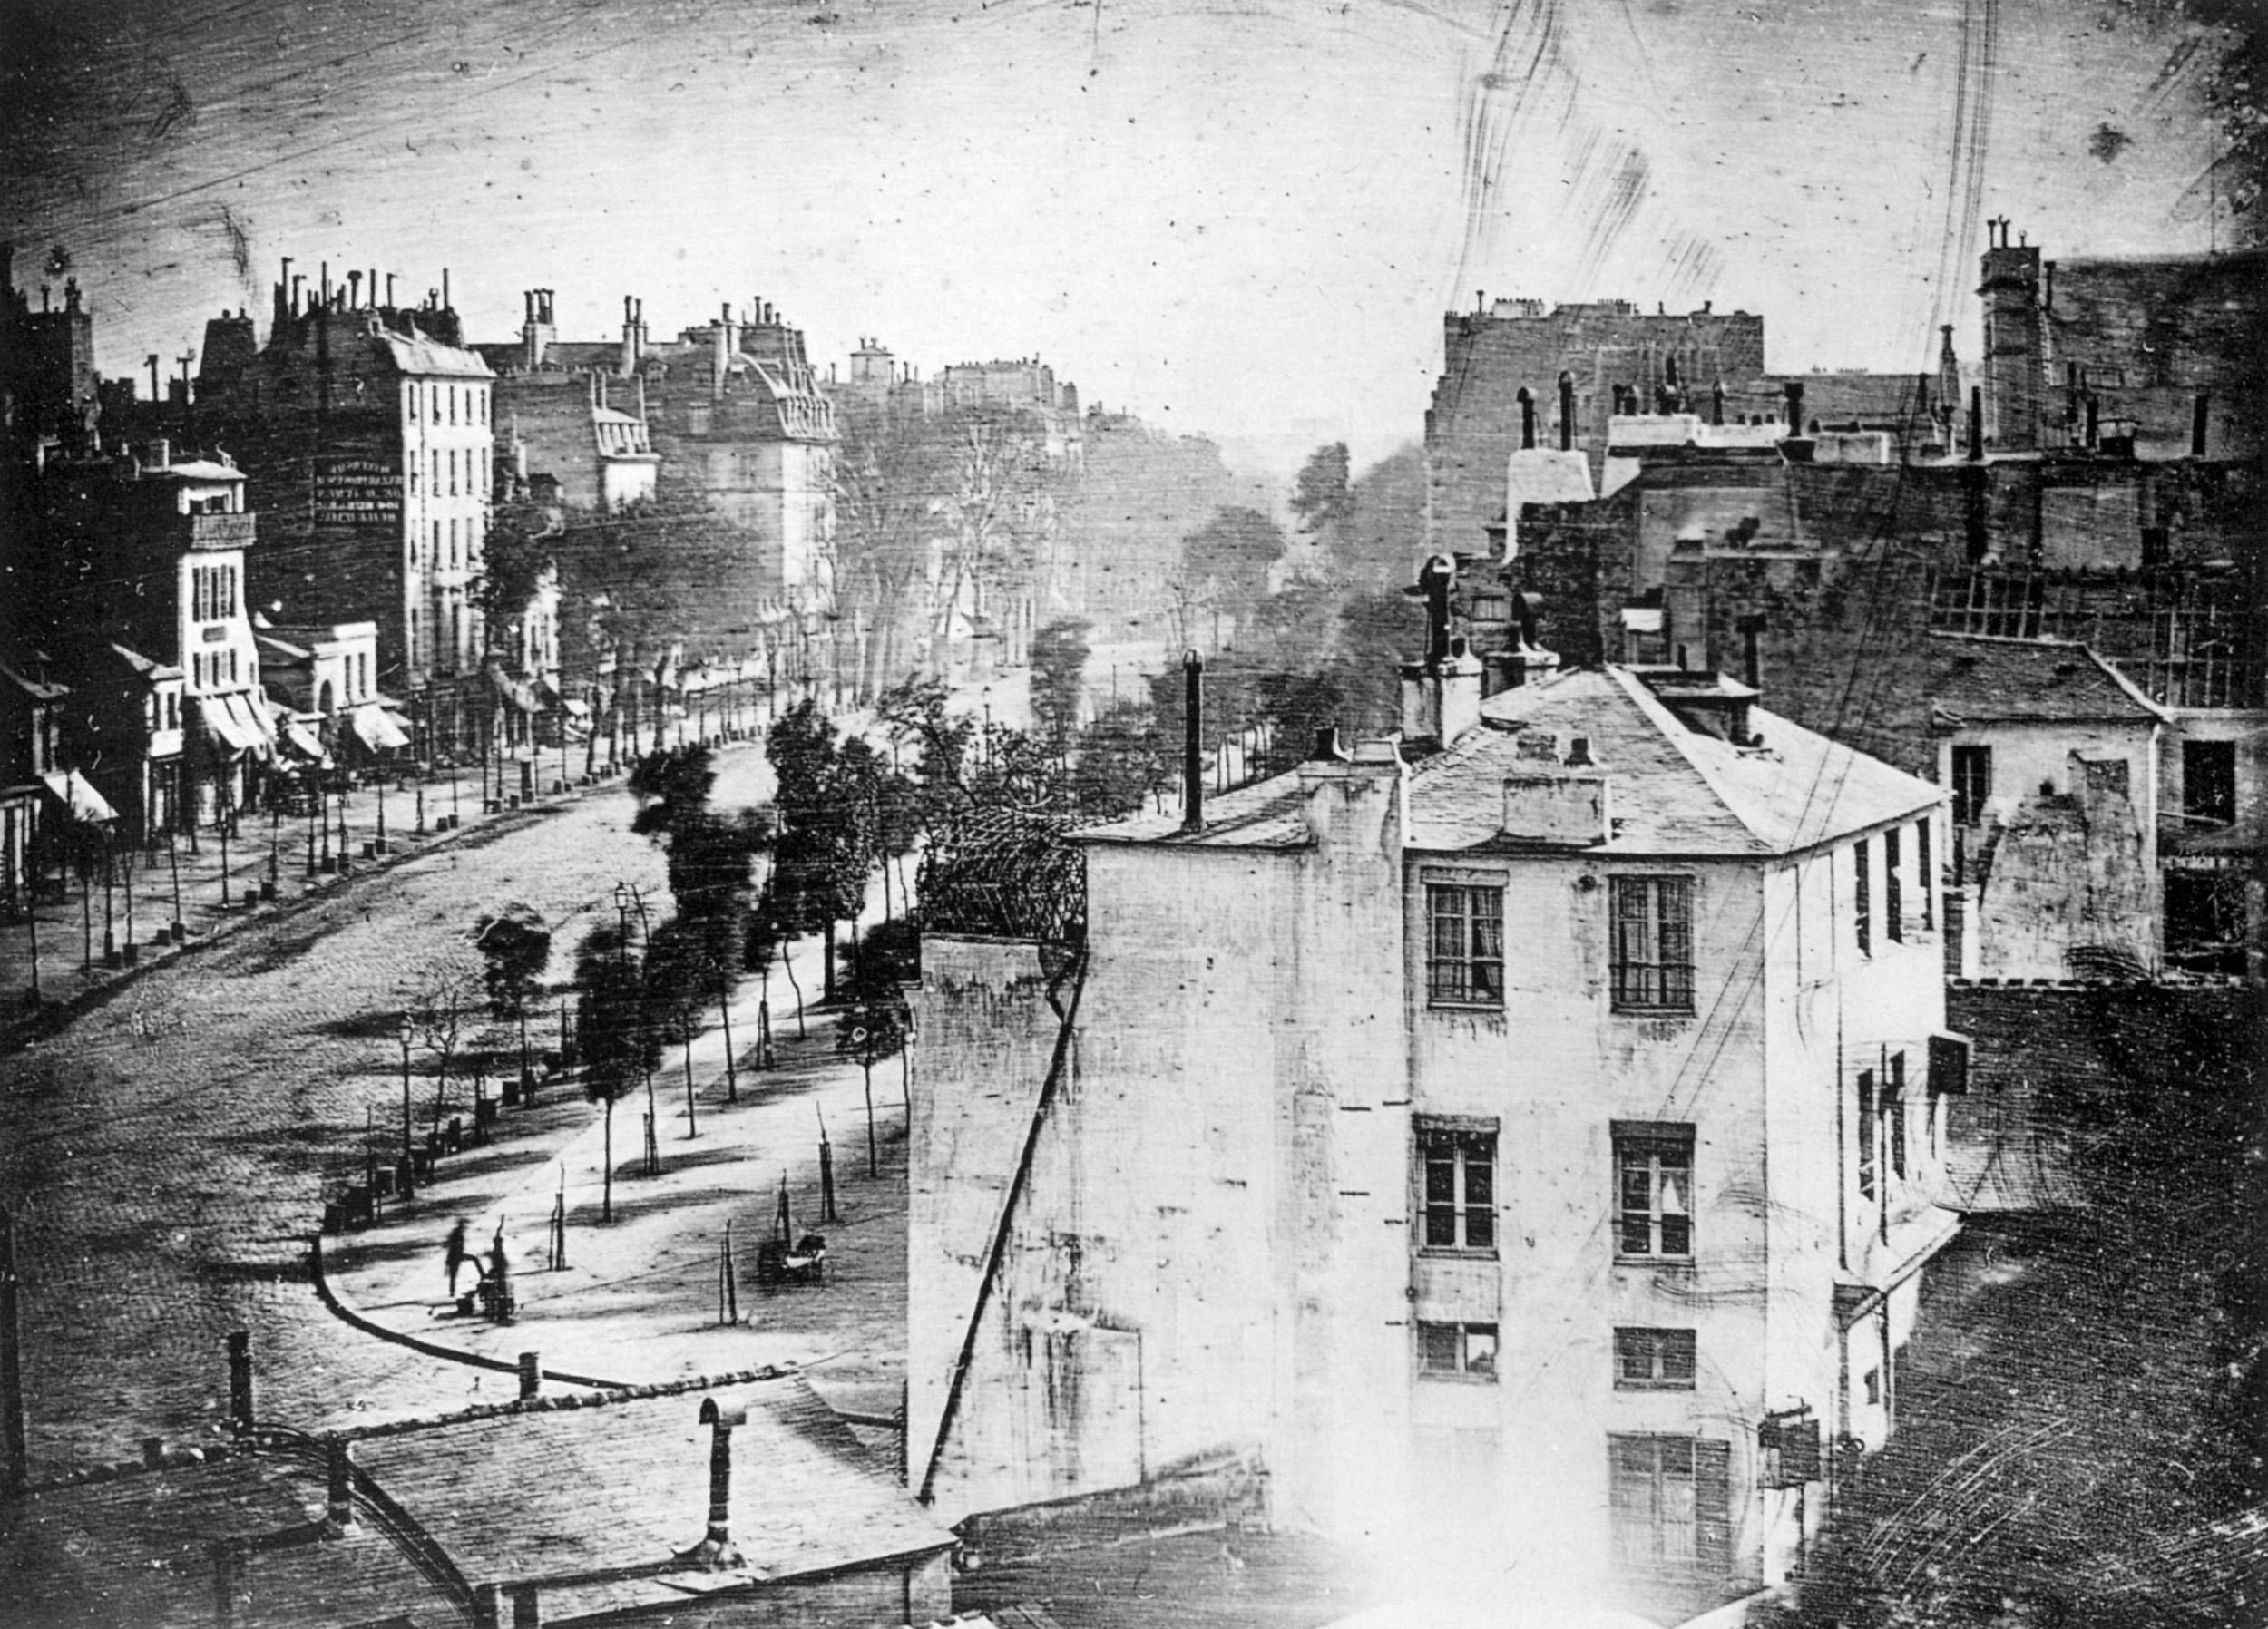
point(409, 1164)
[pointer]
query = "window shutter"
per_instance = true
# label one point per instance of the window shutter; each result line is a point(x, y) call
point(1713, 1509)
point(1949, 1064)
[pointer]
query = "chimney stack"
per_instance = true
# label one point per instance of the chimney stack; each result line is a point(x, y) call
point(1527, 420)
point(1192, 742)
point(1794, 389)
point(715, 1549)
point(1976, 424)
point(1752, 669)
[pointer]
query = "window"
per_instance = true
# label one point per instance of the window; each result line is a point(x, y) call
point(1457, 1177)
point(2209, 782)
point(1461, 1349)
point(1670, 1500)
point(1893, 887)
point(1972, 783)
point(1653, 1189)
point(453, 543)
point(1873, 1383)
point(1466, 962)
point(436, 543)
point(1650, 1360)
point(1863, 894)
point(1652, 945)
point(1868, 1134)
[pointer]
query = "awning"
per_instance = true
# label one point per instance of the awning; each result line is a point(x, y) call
point(301, 741)
point(375, 730)
point(520, 693)
point(250, 716)
point(70, 789)
point(228, 731)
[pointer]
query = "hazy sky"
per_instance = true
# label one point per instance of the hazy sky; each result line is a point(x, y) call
point(1238, 217)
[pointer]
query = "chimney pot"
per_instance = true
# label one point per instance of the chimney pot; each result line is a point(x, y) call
point(1579, 752)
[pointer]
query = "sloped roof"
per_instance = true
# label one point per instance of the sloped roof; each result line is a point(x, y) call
point(1673, 790)
point(416, 354)
point(625, 1486)
point(1975, 680)
point(136, 1549)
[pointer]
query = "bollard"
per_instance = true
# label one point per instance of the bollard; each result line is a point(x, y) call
point(240, 1380)
point(531, 1375)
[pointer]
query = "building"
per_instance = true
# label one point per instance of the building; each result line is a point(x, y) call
point(325, 679)
point(2051, 756)
point(1519, 1139)
point(142, 571)
point(31, 709)
point(371, 429)
point(565, 408)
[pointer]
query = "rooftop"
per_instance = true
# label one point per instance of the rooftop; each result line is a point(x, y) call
point(610, 1494)
point(1972, 679)
point(1677, 789)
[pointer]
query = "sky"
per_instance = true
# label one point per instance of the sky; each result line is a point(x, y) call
point(1243, 217)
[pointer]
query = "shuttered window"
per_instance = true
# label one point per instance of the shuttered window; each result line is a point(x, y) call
point(1671, 1504)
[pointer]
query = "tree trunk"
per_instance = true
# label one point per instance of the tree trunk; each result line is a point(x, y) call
point(724, 1014)
point(606, 1192)
point(692, 1124)
point(787, 961)
point(826, 967)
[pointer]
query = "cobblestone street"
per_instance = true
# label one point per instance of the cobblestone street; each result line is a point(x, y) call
point(169, 1152)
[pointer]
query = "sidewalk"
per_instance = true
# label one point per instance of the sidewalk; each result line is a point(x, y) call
point(637, 1302)
point(86, 942)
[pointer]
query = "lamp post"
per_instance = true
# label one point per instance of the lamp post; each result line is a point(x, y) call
point(409, 1166)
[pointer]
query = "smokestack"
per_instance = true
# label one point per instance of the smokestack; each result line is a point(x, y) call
point(325, 266)
point(1527, 420)
point(338, 1462)
point(1192, 737)
point(1794, 388)
point(1976, 424)
point(716, 1550)
point(2200, 422)
point(445, 288)
point(1751, 662)
point(390, 290)
point(240, 1380)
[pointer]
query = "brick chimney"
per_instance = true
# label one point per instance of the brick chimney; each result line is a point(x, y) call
point(1356, 806)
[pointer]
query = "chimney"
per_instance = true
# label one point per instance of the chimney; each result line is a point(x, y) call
point(1527, 420)
point(1192, 742)
point(1794, 389)
point(338, 1463)
point(527, 1607)
point(1441, 701)
point(354, 288)
point(1717, 402)
point(720, 351)
point(162, 454)
point(629, 336)
point(240, 1380)
point(715, 1549)
point(2200, 422)
point(1564, 807)
point(1752, 669)
point(1976, 424)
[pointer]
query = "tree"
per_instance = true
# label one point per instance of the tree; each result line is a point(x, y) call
point(515, 947)
point(1320, 497)
point(1121, 758)
point(615, 1038)
point(892, 472)
point(516, 556)
point(1228, 559)
point(679, 976)
point(1058, 676)
point(869, 1033)
point(437, 1014)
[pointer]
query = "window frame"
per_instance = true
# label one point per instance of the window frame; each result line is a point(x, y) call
point(1971, 770)
point(1863, 894)
point(1659, 1353)
point(1472, 1146)
point(1465, 1365)
point(2220, 809)
point(1457, 978)
point(1660, 977)
point(1652, 1141)
point(1870, 1151)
